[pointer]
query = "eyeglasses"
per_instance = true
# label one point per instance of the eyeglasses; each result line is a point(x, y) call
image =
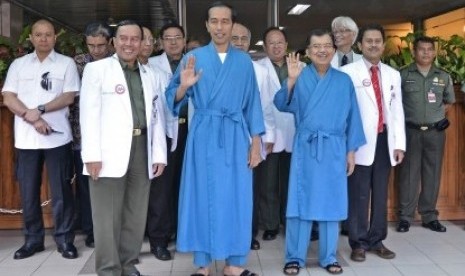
point(46, 83)
point(243, 39)
point(341, 31)
point(93, 47)
point(148, 41)
point(173, 38)
point(276, 43)
point(318, 47)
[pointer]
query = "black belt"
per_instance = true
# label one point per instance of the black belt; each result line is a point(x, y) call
point(423, 127)
point(139, 131)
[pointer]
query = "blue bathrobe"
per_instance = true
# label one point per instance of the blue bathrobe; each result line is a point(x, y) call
point(215, 200)
point(328, 126)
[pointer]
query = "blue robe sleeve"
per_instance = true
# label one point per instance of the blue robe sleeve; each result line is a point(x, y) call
point(170, 92)
point(285, 101)
point(355, 133)
point(253, 109)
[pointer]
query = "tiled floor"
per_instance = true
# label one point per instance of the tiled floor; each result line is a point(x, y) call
point(420, 252)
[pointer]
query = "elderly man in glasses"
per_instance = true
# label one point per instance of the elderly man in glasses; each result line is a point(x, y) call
point(38, 90)
point(345, 32)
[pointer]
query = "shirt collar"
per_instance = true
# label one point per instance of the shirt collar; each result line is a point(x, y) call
point(369, 64)
point(125, 66)
point(52, 55)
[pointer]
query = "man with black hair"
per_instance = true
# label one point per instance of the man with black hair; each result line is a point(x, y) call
point(123, 147)
point(164, 192)
point(427, 93)
point(223, 146)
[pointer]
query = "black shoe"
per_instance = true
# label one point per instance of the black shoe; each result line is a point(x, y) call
point(27, 250)
point(435, 225)
point(344, 232)
point(269, 235)
point(161, 253)
point(90, 241)
point(67, 250)
point(255, 245)
point(135, 273)
point(403, 226)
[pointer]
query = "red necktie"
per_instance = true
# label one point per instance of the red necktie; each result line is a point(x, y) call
point(377, 88)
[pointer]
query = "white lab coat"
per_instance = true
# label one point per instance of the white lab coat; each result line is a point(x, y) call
point(106, 117)
point(392, 109)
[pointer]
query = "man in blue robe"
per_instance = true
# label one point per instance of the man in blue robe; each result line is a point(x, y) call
point(223, 145)
point(328, 131)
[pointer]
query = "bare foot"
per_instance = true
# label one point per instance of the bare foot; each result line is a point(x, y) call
point(203, 271)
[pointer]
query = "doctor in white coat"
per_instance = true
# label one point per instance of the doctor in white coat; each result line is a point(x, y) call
point(272, 175)
point(163, 199)
point(345, 33)
point(383, 123)
point(123, 147)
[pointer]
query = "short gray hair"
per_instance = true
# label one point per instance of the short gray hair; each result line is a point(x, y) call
point(345, 22)
point(98, 29)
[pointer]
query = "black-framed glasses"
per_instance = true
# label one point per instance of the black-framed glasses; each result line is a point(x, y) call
point(46, 83)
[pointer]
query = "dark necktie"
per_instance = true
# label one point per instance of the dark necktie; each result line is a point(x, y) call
point(344, 60)
point(377, 89)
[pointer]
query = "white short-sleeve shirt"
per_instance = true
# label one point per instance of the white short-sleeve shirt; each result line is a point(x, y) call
point(24, 79)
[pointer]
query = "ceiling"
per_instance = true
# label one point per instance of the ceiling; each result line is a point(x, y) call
point(253, 13)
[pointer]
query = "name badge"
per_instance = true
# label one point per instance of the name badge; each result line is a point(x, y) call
point(431, 97)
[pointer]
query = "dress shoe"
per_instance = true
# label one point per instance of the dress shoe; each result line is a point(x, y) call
point(435, 225)
point(269, 235)
point(161, 253)
point(403, 226)
point(90, 241)
point(384, 253)
point(27, 250)
point(135, 273)
point(358, 255)
point(67, 250)
point(255, 245)
point(344, 232)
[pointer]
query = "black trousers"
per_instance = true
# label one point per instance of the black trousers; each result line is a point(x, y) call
point(271, 179)
point(83, 215)
point(29, 167)
point(369, 182)
point(164, 195)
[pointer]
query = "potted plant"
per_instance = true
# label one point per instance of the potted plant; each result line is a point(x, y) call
point(450, 54)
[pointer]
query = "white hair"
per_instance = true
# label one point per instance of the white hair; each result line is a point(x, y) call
point(347, 23)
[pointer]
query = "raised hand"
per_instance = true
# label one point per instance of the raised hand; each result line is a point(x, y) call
point(188, 75)
point(293, 65)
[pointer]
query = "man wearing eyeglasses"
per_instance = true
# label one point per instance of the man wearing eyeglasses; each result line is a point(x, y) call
point(163, 202)
point(123, 147)
point(345, 33)
point(324, 147)
point(38, 89)
point(98, 40)
point(272, 175)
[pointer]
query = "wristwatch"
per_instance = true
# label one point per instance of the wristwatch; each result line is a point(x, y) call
point(41, 108)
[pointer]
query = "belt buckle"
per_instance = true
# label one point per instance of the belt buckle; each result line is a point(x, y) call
point(182, 121)
point(424, 128)
point(136, 132)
